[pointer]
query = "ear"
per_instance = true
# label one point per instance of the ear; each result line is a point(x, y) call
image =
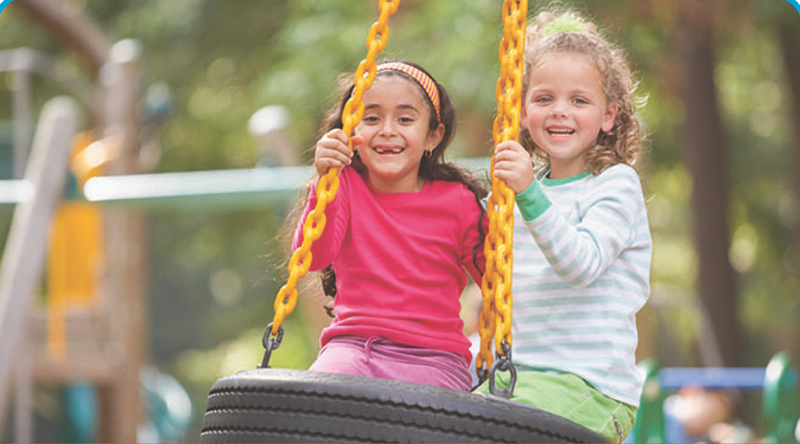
point(523, 112)
point(610, 117)
point(434, 137)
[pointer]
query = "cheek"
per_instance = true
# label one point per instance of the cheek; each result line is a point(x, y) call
point(530, 117)
point(362, 130)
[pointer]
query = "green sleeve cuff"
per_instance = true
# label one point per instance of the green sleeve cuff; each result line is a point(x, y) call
point(532, 202)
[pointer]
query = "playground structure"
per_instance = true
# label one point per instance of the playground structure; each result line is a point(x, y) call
point(778, 382)
point(78, 205)
point(88, 232)
point(101, 339)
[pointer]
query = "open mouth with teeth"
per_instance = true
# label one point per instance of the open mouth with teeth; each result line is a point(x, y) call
point(389, 150)
point(560, 132)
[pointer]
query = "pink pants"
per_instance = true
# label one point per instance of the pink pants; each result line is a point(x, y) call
point(380, 358)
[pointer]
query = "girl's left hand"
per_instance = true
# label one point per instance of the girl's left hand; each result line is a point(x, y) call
point(512, 164)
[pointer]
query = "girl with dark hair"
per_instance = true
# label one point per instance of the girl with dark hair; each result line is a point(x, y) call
point(402, 235)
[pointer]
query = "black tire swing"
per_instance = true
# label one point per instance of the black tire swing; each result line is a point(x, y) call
point(282, 405)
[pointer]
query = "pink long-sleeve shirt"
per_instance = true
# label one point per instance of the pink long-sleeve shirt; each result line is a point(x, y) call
point(401, 261)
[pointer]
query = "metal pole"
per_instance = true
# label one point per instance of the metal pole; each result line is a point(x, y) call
point(24, 256)
point(21, 111)
point(123, 279)
point(23, 419)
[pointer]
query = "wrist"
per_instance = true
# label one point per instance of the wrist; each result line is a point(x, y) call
point(532, 201)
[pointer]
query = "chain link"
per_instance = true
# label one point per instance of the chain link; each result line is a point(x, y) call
point(328, 184)
point(495, 318)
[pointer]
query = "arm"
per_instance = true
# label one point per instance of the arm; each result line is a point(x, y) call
point(331, 152)
point(512, 164)
point(579, 253)
point(474, 259)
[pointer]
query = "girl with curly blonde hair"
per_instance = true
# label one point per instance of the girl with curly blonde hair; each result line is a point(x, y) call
point(582, 244)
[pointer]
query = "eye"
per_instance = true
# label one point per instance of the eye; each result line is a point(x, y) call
point(580, 101)
point(407, 120)
point(543, 100)
point(370, 119)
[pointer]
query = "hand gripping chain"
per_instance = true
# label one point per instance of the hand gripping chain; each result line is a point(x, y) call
point(329, 183)
point(495, 317)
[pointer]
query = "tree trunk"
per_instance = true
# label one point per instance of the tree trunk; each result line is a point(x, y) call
point(789, 35)
point(705, 156)
point(73, 29)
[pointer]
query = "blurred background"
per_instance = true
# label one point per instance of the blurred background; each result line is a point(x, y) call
point(241, 85)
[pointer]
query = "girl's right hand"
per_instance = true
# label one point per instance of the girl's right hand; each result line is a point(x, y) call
point(332, 152)
point(513, 165)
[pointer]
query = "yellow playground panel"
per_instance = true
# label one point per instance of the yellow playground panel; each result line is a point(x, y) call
point(75, 256)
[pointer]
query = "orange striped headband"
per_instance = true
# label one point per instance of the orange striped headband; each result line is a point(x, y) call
point(427, 84)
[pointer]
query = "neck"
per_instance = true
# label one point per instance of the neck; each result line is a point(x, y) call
point(409, 186)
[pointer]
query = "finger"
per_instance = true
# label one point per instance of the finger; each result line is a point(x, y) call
point(338, 154)
point(334, 144)
point(504, 146)
point(324, 165)
point(337, 134)
point(512, 147)
point(330, 154)
point(357, 142)
point(502, 171)
point(504, 156)
point(505, 178)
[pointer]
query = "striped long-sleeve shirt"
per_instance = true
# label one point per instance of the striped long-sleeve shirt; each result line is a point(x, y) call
point(582, 250)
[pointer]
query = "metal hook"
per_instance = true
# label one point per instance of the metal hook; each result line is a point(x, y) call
point(270, 343)
point(503, 363)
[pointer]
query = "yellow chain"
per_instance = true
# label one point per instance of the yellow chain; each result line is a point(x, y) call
point(329, 183)
point(495, 318)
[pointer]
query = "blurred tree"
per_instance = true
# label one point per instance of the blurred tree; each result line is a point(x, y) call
point(76, 30)
point(789, 34)
point(705, 149)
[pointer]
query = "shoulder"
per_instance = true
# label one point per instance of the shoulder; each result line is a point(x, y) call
point(453, 194)
point(620, 170)
point(451, 189)
point(619, 177)
point(619, 187)
point(350, 173)
point(352, 178)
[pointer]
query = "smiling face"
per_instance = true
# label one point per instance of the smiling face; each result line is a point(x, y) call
point(395, 128)
point(565, 110)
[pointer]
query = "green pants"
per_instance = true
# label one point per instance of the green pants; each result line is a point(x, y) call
point(571, 397)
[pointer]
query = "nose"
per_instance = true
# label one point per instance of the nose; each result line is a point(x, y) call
point(387, 127)
point(559, 109)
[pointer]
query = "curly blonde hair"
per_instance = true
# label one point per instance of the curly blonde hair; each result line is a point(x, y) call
point(550, 33)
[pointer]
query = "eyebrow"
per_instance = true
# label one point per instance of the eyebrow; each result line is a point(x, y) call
point(403, 106)
point(549, 90)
